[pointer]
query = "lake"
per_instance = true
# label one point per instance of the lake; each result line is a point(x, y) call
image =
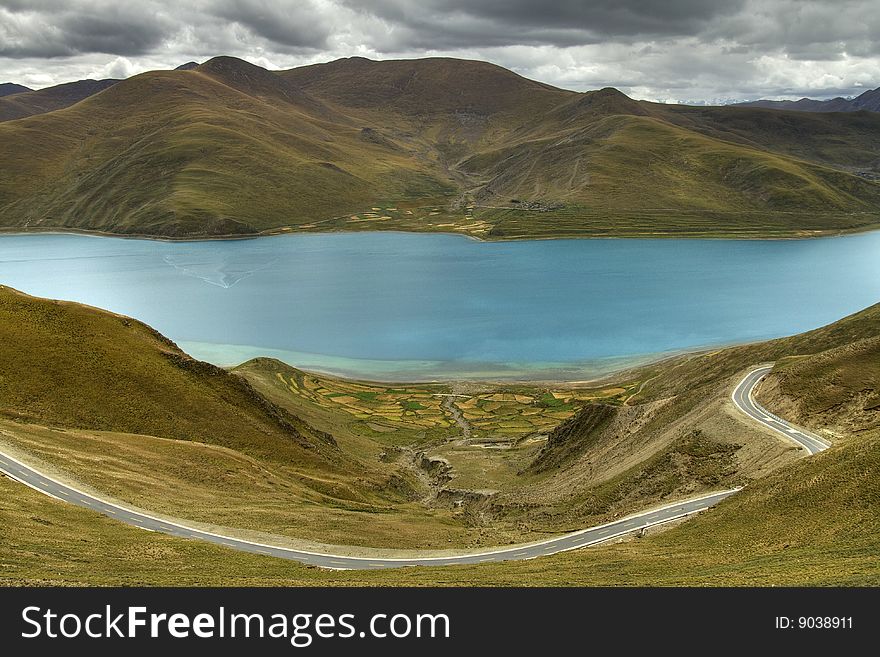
point(402, 306)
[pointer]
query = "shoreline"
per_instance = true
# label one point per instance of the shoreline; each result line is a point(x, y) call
point(291, 230)
point(512, 373)
point(628, 364)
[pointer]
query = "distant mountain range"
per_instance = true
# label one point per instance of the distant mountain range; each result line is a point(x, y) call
point(53, 98)
point(229, 148)
point(870, 101)
point(9, 88)
point(17, 105)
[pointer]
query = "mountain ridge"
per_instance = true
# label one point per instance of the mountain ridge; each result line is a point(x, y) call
point(229, 148)
point(31, 103)
point(869, 101)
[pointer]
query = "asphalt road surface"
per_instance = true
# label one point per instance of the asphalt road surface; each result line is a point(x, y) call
point(744, 399)
point(27, 475)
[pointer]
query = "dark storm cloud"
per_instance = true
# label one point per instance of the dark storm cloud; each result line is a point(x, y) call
point(54, 29)
point(466, 23)
point(804, 29)
point(290, 24)
point(49, 28)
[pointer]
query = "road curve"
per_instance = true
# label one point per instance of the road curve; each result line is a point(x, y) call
point(44, 484)
point(743, 397)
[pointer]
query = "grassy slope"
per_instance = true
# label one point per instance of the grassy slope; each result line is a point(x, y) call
point(230, 148)
point(679, 434)
point(216, 151)
point(108, 401)
point(70, 365)
point(846, 140)
point(814, 521)
point(676, 169)
point(835, 392)
point(10, 88)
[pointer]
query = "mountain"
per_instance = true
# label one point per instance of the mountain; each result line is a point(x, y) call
point(187, 67)
point(423, 87)
point(30, 103)
point(869, 100)
point(225, 149)
point(9, 88)
point(229, 148)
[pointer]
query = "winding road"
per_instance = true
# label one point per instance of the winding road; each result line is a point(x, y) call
point(742, 398)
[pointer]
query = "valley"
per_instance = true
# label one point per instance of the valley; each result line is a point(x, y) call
point(368, 316)
point(660, 433)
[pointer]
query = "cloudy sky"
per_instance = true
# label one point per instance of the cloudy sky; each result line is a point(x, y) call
point(668, 50)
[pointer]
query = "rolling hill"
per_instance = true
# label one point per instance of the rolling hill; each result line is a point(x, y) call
point(228, 148)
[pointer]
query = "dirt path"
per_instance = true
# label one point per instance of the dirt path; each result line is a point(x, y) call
point(453, 410)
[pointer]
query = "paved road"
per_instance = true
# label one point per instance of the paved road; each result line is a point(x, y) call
point(27, 475)
point(742, 397)
point(744, 400)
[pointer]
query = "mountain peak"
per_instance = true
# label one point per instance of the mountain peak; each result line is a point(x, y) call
point(227, 62)
point(240, 74)
point(257, 81)
point(9, 88)
point(187, 67)
point(431, 85)
point(606, 101)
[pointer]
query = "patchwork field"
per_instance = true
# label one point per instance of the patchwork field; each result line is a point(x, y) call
point(423, 215)
point(481, 413)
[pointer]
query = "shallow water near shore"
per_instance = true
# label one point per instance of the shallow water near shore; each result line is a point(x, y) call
point(402, 306)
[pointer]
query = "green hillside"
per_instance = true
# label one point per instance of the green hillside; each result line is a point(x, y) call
point(835, 392)
point(228, 148)
point(70, 365)
point(812, 522)
point(212, 152)
point(642, 163)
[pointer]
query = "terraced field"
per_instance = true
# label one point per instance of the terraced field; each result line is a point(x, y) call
point(437, 216)
point(521, 412)
point(381, 407)
point(493, 413)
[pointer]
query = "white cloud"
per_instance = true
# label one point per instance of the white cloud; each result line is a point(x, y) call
point(119, 67)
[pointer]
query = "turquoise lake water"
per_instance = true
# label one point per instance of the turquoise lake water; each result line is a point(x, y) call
point(432, 307)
